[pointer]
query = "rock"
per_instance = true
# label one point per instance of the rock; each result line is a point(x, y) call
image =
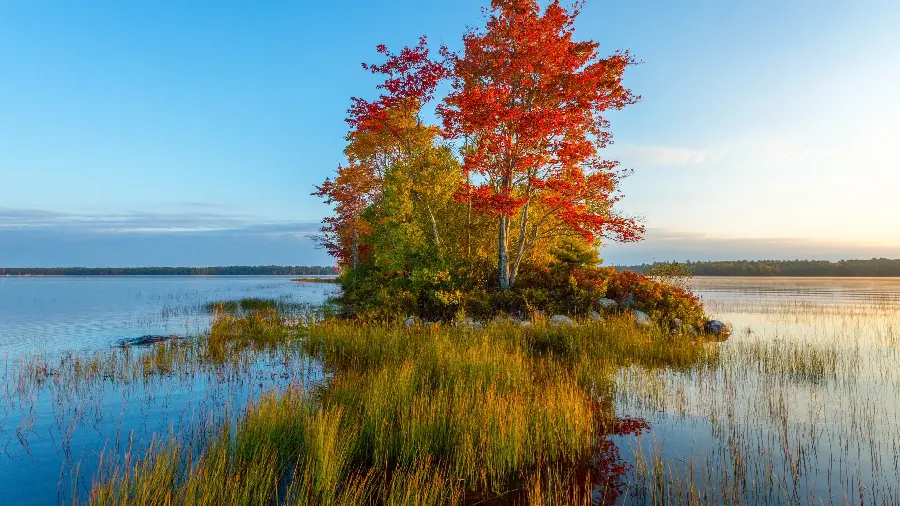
point(526, 323)
point(412, 321)
point(559, 320)
point(506, 320)
point(143, 340)
point(469, 323)
point(675, 326)
point(716, 328)
point(642, 320)
point(597, 317)
point(608, 304)
point(627, 302)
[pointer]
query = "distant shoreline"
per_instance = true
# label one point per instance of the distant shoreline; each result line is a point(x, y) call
point(264, 270)
point(873, 268)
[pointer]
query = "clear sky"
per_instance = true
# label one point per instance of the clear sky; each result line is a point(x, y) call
point(191, 133)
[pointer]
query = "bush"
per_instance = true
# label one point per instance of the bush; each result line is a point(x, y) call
point(564, 286)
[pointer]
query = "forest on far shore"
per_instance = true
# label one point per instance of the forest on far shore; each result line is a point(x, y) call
point(234, 270)
point(876, 267)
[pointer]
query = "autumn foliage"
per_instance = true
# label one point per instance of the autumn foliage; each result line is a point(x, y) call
point(435, 216)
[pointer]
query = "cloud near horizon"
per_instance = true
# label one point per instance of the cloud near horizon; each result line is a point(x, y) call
point(37, 238)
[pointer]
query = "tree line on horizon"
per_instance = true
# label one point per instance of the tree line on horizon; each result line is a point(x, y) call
point(875, 267)
point(233, 270)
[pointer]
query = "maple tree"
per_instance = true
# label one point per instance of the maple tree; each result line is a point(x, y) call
point(508, 185)
point(383, 133)
point(529, 101)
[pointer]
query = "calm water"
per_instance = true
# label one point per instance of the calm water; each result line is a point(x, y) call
point(802, 408)
point(818, 427)
point(51, 437)
point(88, 313)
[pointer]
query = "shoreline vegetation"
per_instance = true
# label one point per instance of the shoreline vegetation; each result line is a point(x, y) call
point(504, 414)
point(405, 415)
point(232, 270)
point(872, 268)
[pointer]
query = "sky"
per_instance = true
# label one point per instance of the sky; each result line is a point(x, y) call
point(192, 133)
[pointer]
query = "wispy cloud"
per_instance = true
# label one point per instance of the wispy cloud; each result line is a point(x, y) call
point(38, 238)
point(146, 222)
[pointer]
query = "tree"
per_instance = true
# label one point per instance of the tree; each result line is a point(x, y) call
point(529, 101)
point(388, 148)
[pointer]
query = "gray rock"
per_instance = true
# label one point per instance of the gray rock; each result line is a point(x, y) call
point(412, 321)
point(597, 317)
point(559, 320)
point(469, 323)
point(627, 302)
point(526, 323)
point(608, 304)
point(642, 320)
point(716, 328)
point(676, 326)
point(144, 340)
point(506, 320)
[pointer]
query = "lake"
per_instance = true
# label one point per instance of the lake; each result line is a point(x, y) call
point(61, 313)
point(800, 405)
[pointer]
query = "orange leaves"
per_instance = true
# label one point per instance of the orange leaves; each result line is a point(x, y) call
point(526, 105)
point(530, 99)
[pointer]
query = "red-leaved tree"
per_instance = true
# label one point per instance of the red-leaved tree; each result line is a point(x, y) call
point(381, 132)
point(529, 100)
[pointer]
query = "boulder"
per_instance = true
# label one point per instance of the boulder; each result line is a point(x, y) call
point(597, 317)
point(675, 326)
point(506, 320)
point(717, 329)
point(607, 304)
point(526, 323)
point(412, 321)
point(144, 340)
point(642, 320)
point(627, 302)
point(469, 323)
point(559, 320)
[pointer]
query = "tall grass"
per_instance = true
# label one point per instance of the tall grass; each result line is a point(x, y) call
point(418, 417)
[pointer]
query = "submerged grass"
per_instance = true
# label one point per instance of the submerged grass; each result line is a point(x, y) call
point(507, 415)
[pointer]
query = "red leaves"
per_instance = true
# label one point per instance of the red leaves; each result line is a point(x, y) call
point(530, 100)
point(410, 80)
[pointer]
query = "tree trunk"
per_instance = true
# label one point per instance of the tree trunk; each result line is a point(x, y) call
point(502, 256)
point(520, 247)
point(355, 250)
point(434, 230)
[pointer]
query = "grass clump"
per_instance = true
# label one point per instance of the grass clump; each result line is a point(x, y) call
point(407, 417)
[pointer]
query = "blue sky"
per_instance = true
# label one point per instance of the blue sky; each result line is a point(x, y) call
point(191, 133)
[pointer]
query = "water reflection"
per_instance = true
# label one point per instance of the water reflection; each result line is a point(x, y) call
point(801, 406)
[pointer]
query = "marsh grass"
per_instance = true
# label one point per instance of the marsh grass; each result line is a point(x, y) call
point(801, 407)
point(508, 415)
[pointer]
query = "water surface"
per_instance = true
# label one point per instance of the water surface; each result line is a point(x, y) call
point(57, 313)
